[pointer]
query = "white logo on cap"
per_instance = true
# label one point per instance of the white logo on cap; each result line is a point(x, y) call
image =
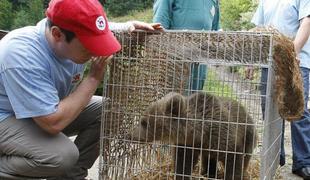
point(100, 23)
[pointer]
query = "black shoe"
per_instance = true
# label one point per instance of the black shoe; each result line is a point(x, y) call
point(303, 172)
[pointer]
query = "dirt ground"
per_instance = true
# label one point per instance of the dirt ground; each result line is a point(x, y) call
point(286, 170)
point(94, 171)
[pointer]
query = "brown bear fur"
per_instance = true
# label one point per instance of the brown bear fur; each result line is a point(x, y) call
point(201, 125)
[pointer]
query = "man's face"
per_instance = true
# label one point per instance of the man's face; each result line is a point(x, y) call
point(75, 51)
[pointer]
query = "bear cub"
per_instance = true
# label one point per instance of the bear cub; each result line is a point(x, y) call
point(201, 126)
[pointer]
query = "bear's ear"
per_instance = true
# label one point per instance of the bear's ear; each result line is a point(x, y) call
point(175, 104)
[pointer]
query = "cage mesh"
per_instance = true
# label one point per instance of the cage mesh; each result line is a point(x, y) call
point(151, 65)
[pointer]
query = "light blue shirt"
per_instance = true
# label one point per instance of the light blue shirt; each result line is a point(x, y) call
point(32, 79)
point(187, 14)
point(285, 15)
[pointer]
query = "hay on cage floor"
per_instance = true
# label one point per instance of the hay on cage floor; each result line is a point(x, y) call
point(164, 171)
point(289, 85)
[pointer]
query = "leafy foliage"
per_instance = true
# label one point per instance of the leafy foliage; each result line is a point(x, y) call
point(123, 7)
point(237, 14)
point(6, 15)
point(144, 15)
point(29, 14)
point(18, 3)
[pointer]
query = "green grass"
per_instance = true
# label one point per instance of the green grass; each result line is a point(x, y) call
point(145, 16)
point(217, 87)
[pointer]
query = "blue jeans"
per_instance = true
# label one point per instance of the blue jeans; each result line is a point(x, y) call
point(300, 129)
point(198, 76)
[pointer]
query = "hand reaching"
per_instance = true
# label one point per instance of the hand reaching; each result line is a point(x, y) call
point(134, 25)
point(98, 66)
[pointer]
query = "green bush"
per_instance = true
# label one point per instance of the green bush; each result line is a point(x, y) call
point(29, 14)
point(6, 14)
point(144, 15)
point(123, 7)
point(236, 14)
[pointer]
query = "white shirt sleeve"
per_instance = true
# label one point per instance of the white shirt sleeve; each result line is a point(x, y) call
point(258, 18)
point(120, 26)
point(304, 9)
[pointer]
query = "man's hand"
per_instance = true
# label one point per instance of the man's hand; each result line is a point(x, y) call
point(98, 67)
point(131, 26)
point(134, 25)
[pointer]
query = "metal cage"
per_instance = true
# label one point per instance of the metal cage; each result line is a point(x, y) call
point(153, 67)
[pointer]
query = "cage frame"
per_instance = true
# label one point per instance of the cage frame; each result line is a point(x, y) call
point(271, 122)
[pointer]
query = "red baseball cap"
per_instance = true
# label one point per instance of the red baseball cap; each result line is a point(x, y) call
point(87, 19)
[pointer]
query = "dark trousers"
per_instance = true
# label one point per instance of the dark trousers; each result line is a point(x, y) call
point(198, 76)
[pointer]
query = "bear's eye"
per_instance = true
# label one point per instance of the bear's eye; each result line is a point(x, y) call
point(144, 123)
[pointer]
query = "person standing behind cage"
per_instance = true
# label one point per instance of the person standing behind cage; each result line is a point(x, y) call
point(189, 15)
point(292, 18)
point(44, 97)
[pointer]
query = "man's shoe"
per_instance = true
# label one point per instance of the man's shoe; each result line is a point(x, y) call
point(303, 172)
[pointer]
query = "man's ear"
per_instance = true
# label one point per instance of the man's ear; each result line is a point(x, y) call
point(57, 34)
point(175, 104)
